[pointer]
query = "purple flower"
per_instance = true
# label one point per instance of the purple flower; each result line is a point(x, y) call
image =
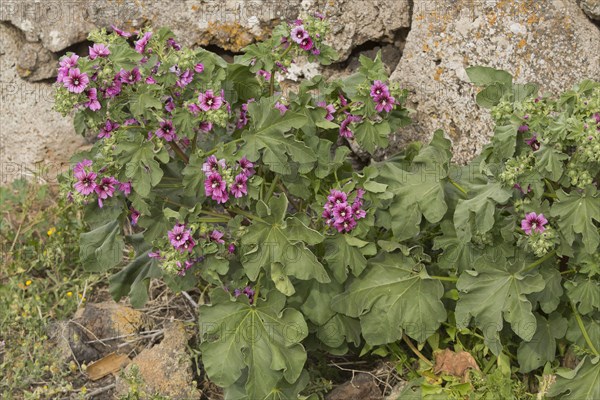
point(298, 34)
point(205, 126)
point(315, 51)
point(86, 181)
point(597, 118)
point(185, 78)
point(379, 88)
point(249, 292)
point(212, 165)
point(339, 214)
point(208, 101)
point(330, 108)
point(130, 77)
point(523, 128)
point(115, 89)
point(239, 186)
point(131, 121)
point(199, 68)
point(533, 223)
point(344, 129)
point(166, 131)
point(181, 238)
point(216, 188)
point(98, 50)
point(169, 104)
point(533, 142)
point(281, 67)
point(120, 32)
point(109, 126)
point(216, 236)
point(306, 44)
point(343, 101)
point(140, 45)
point(194, 109)
point(517, 186)
point(281, 107)
point(285, 43)
point(154, 254)
point(150, 80)
point(93, 103)
point(265, 74)
point(135, 215)
point(172, 43)
point(125, 187)
point(66, 64)
point(357, 210)
point(243, 119)
point(76, 81)
point(246, 166)
point(342, 212)
point(384, 102)
point(319, 15)
point(105, 189)
point(337, 197)
point(231, 248)
point(345, 226)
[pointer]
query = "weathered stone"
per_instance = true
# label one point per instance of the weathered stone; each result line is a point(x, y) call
point(34, 139)
point(591, 8)
point(164, 369)
point(36, 63)
point(361, 387)
point(69, 338)
point(111, 320)
point(548, 42)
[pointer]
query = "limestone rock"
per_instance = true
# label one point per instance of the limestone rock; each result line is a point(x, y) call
point(36, 62)
point(548, 42)
point(164, 369)
point(34, 139)
point(591, 8)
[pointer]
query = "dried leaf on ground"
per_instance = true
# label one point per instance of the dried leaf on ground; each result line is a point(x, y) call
point(455, 364)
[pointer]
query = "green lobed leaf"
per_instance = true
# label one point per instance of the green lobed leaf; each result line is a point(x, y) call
point(584, 292)
point(542, 346)
point(341, 256)
point(394, 296)
point(581, 383)
point(101, 248)
point(264, 339)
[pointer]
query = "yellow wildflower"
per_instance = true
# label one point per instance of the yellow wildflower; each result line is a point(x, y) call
point(51, 231)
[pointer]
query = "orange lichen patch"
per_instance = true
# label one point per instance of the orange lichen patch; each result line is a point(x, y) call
point(230, 36)
point(491, 18)
point(438, 73)
point(522, 43)
point(533, 19)
point(195, 8)
point(426, 48)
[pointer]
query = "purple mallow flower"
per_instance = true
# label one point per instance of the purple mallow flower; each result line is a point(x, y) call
point(140, 45)
point(265, 74)
point(340, 214)
point(105, 189)
point(344, 129)
point(231, 248)
point(523, 128)
point(248, 291)
point(76, 81)
point(93, 103)
point(65, 65)
point(306, 44)
point(120, 32)
point(98, 50)
point(86, 181)
point(125, 187)
point(216, 236)
point(130, 77)
point(199, 68)
point(281, 107)
point(239, 186)
point(107, 129)
point(533, 223)
point(379, 88)
point(246, 166)
point(166, 131)
point(533, 142)
point(330, 108)
point(384, 102)
point(135, 215)
point(173, 44)
point(181, 238)
point(208, 101)
point(216, 188)
point(185, 78)
point(115, 89)
point(212, 165)
point(298, 34)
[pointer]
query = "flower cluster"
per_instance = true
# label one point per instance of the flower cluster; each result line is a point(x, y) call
point(340, 214)
point(247, 291)
point(220, 180)
point(88, 182)
point(380, 94)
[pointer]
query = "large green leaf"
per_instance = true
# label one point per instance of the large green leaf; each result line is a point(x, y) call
point(581, 383)
point(142, 102)
point(585, 293)
point(141, 167)
point(477, 213)
point(483, 76)
point(264, 338)
point(395, 295)
point(551, 161)
point(494, 292)
point(459, 255)
point(576, 213)
point(372, 136)
point(341, 255)
point(267, 134)
point(542, 346)
point(102, 248)
point(275, 239)
point(241, 84)
point(133, 280)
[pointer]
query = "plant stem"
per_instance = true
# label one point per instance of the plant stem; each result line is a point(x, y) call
point(179, 152)
point(272, 83)
point(272, 188)
point(582, 329)
point(456, 185)
point(445, 278)
point(257, 289)
point(539, 261)
point(415, 350)
point(213, 220)
point(550, 195)
point(194, 143)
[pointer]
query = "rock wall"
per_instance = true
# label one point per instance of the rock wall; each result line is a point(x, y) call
point(552, 42)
